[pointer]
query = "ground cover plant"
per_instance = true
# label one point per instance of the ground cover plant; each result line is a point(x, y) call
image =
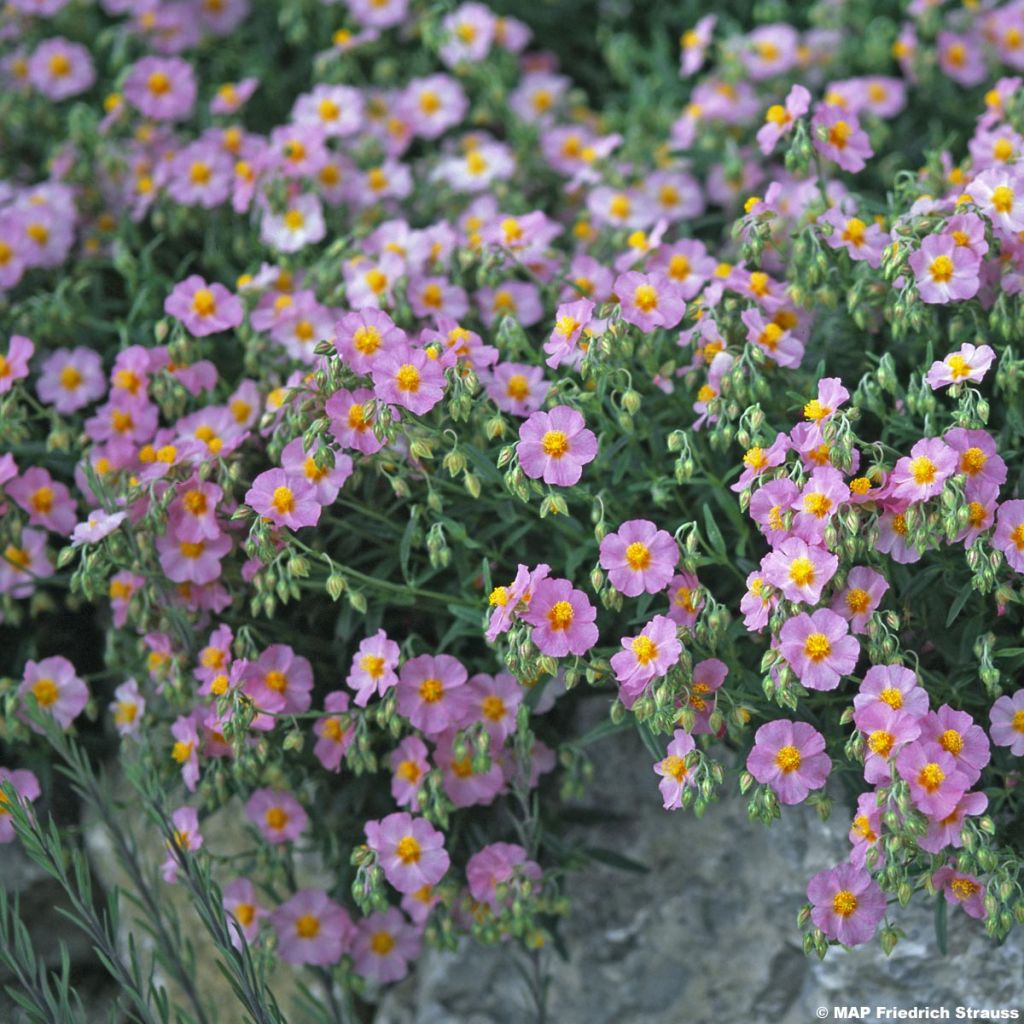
point(382, 391)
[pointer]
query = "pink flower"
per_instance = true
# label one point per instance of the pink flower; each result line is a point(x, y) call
point(963, 889)
point(277, 814)
point(863, 241)
point(373, 667)
point(649, 301)
point(555, 446)
point(466, 783)
point(243, 910)
point(645, 657)
point(984, 469)
point(1007, 718)
point(865, 829)
point(187, 839)
point(498, 864)
point(859, 598)
point(639, 558)
point(848, 904)
point(887, 732)
point(819, 648)
point(936, 785)
point(186, 749)
point(757, 459)
point(280, 681)
point(163, 88)
point(409, 766)
point(26, 785)
point(60, 69)
point(47, 501)
point(312, 929)
point(56, 688)
point(822, 497)
point(384, 945)
point(285, 499)
point(800, 570)
point(517, 388)
point(790, 758)
point(779, 120)
point(409, 850)
point(674, 772)
point(708, 676)
point(99, 524)
point(923, 473)
point(893, 686)
point(430, 692)
point(70, 379)
point(128, 707)
point(1009, 533)
point(945, 271)
point(14, 365)
point(839, 137)
point(361, 337)
point(186, 561)
point(492, 701)
point(408, 378)
point(203, 308)
point(685, 599)
point(956, 733)
point(335, 734)
point(944, 832)
point(352, 420)
point(562, 619)
point(999, 194)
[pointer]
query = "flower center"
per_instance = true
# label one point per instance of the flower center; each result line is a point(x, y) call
point(158, 83)
point(408, 850)
point(931, 777)
point(276, 819)
point(283, 501)
point(45, 692)
point(366, 340)
point(839, 134)
point(646, 298)
point(675, 767)
point(638, 556)
point(1017, 722)
point(952, 741)
point(1002, 199)
point(958, 367)
point(844, 903)
point(408, 378)
point(294, 221)
point(973, 461)
point(854, 231)
point(817, 647)
point(964, 888)
point(881, 742)
point(560, 615)
point(644, 649)
point(195, 502)
point(801, 571)
point(382, 943)
point(941, 269)
point(276, 681)
point(70, 378)
point(555, 443)
point(372, 665)
point(788, 759)
point(307, 926)
point(818, 505)
point(517, 387)
point(923, 470)
point(493, 708)
point(857, 601)
point(431, 690)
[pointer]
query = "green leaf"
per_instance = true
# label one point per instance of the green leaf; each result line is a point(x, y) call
point(614, 859)
point(941, 936)
point(715, 538)
point(958, 604)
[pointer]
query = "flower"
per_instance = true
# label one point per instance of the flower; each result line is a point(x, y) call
point(999, 195)
point(956, 733)
point(819, 648)
point(555, 446)
point(59, 68)
point(800, 570)
point(893, 686)
point(496, 866)
point(674, 772)
point(1007, 718)
point(969, 363)
point(284, 499)
point(14, 365)
point(1009, 533)
point(823, 495)
point(312, 929)
point(838, 136)
point(69, 379)
point(492, 701)
point(860, 597)
point(203, 308)
point(373, 667)
point(947, 831)
point(945, 271)
point(966, 890)
point(936, 785)
point(780, 120)
point(162, 88)
point(280, 681)
point(98, 525)
point(384, 944)
point(26, 785)
point(277, 814)
point(360, 337)
point(517, 388)
point(128, 708)
point(790, 758)
point(187, 839)
point(408, 378)
point(243, 911)
point(639, 558)
point(409, 850)
point(562, 619)
point(335, 734)
point(430, 692)
point(57, 689)
point(847, 904)
point(923, 473)
point(409, 766)
point(685, 599)
point(708, 676)
point(645, 657)
point(649, 301)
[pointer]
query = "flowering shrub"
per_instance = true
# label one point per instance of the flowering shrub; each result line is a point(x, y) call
point(370, 394)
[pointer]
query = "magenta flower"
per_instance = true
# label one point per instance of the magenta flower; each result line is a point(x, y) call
point(819, 648)
point(571, 322)
point(923, 473)
point(187, 838)
point(496, 865)
point(780, 120)
point(674, 772)
point(128, 707)
point(779, 344)
point(859, 598)
point(865, 829)
point(944, 271)
point(1009, 533)
point(409, 766)
point(430, 692)
point(285, 499)
point(863, 241)
point(243, 911)
point(464, 784)
point(98, 525)
point(887, 732)
point(186, 561)
point(981, 464)
point(1007, 718)
point(186, 749)
point(708, 676)
point(769, 507)
point(14, 365)
point(839, 137)
point(373, 667)
point(961, 889)
point(562, 619)
point(645, 657)
point(57, 689)
point(409, 850)
point(970, 363)
point(823, 495)
point(408, 378)
point(757, 459)
point(277, 814)
point(649, 301)
point(70, 379)
point(800, 570)
point(517, 388)
point(334, 733)
point(685, 599)
point(351, 415)
point(280, 681)
point(163, 88)
point(492, 701)
point(945, 832)
point(999, 194)
point(936, 785)
point(956, 733)
point(384, 945)
point(47, 501)
point(26, 785)
point(312, 929)
point(361, 337)
point(790, 758)
point(639, 558)
point(555, 446)
point(59, 68)
point(848, 904)
point(203, 308)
